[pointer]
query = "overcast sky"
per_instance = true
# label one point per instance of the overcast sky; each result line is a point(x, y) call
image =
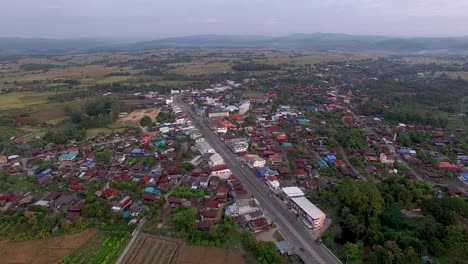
point(150, 19)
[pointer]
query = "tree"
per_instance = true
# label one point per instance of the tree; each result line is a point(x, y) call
point(145, 121)
point(352, 251)
point(104, 156)
point(361, 197)
point(184, 219)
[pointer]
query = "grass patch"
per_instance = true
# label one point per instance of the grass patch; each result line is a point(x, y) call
point(278, 236)
point(113, 79)
point(22, 100)
point(200, 68)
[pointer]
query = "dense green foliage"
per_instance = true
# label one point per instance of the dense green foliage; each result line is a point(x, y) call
point(95, 113)
point(164, 117)
point(145, 121)
point(37, 67)
point(372, 214)
point(187, 192)
point(62, 134)
point(251, 66)
point(265, 252)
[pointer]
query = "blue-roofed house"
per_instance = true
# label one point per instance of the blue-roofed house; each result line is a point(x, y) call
point(68, 156)
point(303, 121)
point(266, 171)
point(321, 164)
point(463, 177)
point(285, 108)
point(330, 159)
point(311, 108)
point(160, 143)
point(286, 145)
point(44, 173)
point(149, 189)
point(138, 151)
point(126, 214)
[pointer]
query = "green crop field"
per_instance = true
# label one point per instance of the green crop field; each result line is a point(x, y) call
point(153, 249)
point(101, 248)
point(21, 100)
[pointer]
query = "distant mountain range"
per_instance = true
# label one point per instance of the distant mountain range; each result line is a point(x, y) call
point(317, 41)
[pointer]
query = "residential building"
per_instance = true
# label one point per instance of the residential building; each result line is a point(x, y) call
point(204, 147)
point(244, 107)
point(238, 145)
point(254, 161)
point(216, 160)
point(222, 171)
point(218, 113)
point(313, 217)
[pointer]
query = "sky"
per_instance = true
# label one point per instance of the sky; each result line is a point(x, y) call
point(153, 19)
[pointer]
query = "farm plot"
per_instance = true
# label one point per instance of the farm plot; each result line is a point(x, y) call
point(44, 251)
point(102, 248)
point(153, 249)
point(202, 255)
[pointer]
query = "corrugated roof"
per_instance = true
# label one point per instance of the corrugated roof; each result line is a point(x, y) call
point(308, 207)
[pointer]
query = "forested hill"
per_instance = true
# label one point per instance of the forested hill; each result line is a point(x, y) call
point(317, 41)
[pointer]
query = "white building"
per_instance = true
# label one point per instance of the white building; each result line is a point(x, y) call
point(238, 145)
point(244, 107)
point(254, 161)
point(205, 147)
point(313, 217)
point(222, 171)
point(292, 192)
point(273, 182)
point(216, 160)
point(218, 113)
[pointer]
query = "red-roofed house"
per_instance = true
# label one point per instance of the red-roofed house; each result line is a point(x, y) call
point(109, 193)
point(449, 166)
point(258, 225)
point(212, 205)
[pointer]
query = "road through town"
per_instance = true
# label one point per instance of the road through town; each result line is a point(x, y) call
point(293, 229)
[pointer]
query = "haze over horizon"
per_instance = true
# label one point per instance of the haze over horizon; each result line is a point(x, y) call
point(151, 19)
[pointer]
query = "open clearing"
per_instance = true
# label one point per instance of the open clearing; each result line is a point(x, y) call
point(43, 251)
point(134, 117)
point(154, 249)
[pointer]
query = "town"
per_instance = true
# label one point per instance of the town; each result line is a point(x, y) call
point(320, 159)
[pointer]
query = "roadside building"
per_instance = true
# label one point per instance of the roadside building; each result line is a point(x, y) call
point(312, 216)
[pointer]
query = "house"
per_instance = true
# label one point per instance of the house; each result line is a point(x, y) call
point(109, 193)
point(258, 225)
point(222, 194)
point(218, 113)
point(211, 205)
point(237, 117)
point(254, 161)
point(216, 160)
point(238, 145)
point(204, 147)
point(449, 166)
point(371, 169)
point(347, 119)
point(3, 160)
point(387, 158)
point(122, 204)
point(463, 177)
point(299, 173)
point(244, 107)
point(222, 171)
point(273, 182)
point(68, 156)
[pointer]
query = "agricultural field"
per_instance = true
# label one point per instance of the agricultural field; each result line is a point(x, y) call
point(100, 249)
point(202, 255)
point(312, 58)
point(43, 251)
point(456, 75)
point(154, 249)
point(23, 100)
point(201, 68)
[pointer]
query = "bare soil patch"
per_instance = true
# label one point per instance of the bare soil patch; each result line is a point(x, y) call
point(202, 255)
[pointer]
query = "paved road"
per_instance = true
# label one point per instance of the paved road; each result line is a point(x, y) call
point(130, 244)
point(293, 229)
